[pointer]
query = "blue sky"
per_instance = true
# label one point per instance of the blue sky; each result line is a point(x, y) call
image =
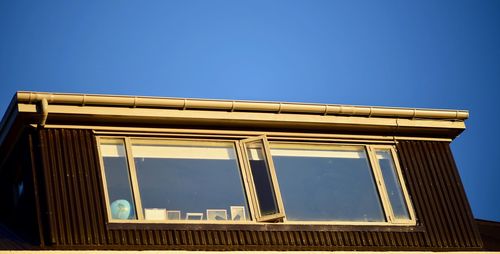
point(437, 54)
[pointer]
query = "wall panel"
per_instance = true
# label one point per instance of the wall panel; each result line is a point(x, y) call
point(77, 215)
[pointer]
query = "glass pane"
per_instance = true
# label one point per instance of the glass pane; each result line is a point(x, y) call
point(118, 180)
point(189, 180)
point(326, 183)
point(262, 179)
point(392, 184)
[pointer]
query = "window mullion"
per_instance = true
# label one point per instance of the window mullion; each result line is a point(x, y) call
point(133, 179)
point(377, 173)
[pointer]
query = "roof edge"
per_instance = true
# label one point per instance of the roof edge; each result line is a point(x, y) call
point(239, 105)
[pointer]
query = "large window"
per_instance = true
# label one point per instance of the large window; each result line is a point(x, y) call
point(252, 180)
point(327, 183)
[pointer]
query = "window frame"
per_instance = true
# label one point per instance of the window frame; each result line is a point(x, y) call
point(127, 141)
point(255, 217)
point(99, 142)
point(372, 149)
point(274, 180)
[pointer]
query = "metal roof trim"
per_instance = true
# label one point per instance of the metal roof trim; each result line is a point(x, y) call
point(240, 105)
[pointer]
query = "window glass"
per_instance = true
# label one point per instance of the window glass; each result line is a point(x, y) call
point(118, 180)
point(392, 184)
point(262, 178)
point(189, 180)
point(179, 180)
point(326, 183)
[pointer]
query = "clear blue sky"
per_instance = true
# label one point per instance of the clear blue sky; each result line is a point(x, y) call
point(426, 53)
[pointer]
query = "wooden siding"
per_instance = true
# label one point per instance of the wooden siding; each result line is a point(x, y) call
point(76, 217)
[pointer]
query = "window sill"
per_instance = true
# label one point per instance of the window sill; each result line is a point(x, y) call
point(255, 226)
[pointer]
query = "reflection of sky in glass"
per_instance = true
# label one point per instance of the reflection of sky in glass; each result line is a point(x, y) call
point(392, 185)
point(190, 185)
point(264, 187)
point(328, 189)
point(118, 181)
point(262, 179)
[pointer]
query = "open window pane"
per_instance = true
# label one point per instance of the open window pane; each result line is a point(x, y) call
point(392, 185)
point(326, 183)
point(189, 180)
point(262, 179)
point(120, 196)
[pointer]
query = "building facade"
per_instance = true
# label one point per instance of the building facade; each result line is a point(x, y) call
point(101, 172)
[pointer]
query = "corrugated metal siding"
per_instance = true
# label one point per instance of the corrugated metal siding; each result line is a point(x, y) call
point(77, 214)
point(438, 194)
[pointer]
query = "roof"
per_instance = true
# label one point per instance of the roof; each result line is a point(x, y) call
point(490, 234)
point(56, 108)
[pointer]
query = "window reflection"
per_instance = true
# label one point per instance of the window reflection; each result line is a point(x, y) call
point(189, 181)
point(392, 184)
point(326, 183)
point(262, 179)
point(118, 180)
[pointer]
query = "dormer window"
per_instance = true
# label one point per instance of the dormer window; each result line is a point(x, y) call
point(107, 172)
point(252, 180)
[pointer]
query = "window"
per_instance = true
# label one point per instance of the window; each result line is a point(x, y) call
point(176, 180)
point(264, 180)
point(395, 192)
point(117, 179)
point(327, 183)
point(252, 180)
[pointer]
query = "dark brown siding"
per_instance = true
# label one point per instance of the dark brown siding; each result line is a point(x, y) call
point(77, 215)
point(438, 194)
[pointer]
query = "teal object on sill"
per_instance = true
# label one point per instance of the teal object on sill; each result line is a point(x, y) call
point(120, 209)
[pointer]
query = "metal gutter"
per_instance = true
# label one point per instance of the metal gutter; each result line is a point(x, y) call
point(56, 108)
point(246, 106)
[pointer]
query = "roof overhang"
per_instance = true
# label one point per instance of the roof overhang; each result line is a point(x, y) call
point(84, 109)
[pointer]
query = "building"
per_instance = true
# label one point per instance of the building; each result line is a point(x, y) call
point(99, 172)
